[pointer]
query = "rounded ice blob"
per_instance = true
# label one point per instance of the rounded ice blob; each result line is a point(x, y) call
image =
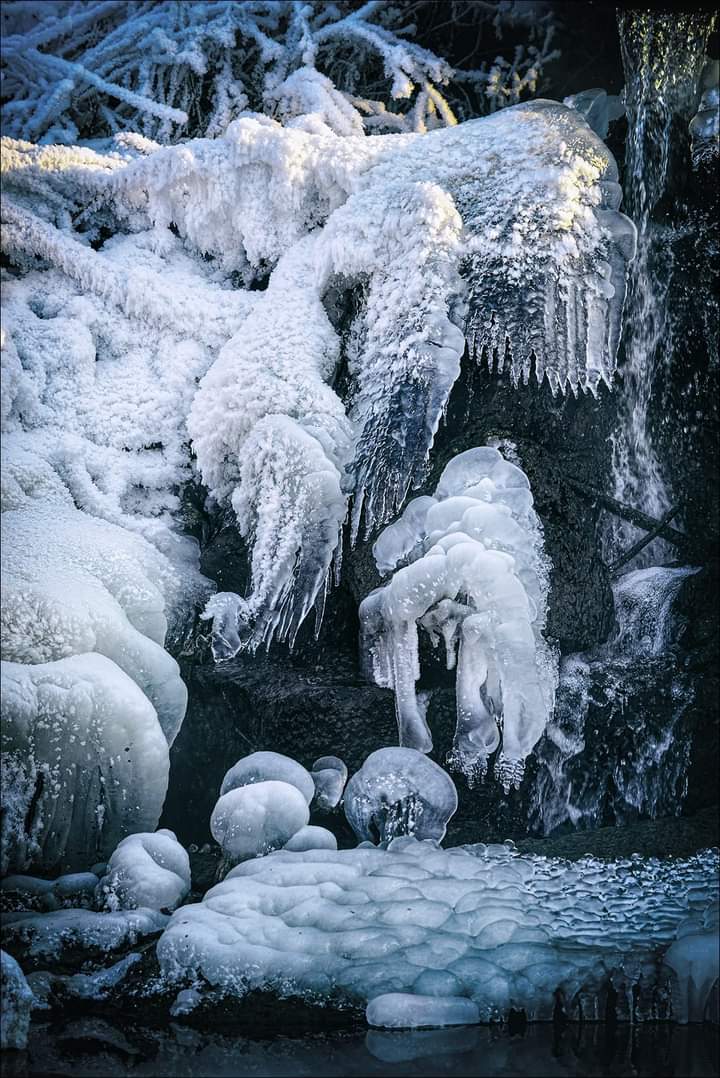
point(399, 791)
point(403, 1010)
point(329, 774)
point(267, 767)
point(150, 870)
point(255, 819)
point(311, 838)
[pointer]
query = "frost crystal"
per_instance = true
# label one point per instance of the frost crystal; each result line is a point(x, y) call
point(476, 579)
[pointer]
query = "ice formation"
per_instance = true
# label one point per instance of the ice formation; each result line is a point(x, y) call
point(329, 774)
point(311, 838)
point(149, 870)
point(468, 568)
point(509, 931)
point(525, 247)
point(252, 820)
point(406, 1010)
point(705, 124)
point(74, 890)
point(17, 1002)
point(85, 761)
point(399, 791)
point(268, 766)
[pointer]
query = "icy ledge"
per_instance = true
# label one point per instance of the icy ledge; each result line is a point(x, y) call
point(480, 923)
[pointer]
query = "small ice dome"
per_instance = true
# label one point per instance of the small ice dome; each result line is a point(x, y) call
point(268, 767)
point(399, 791)
point(17, 1001)
point(311, 838)
point(405, 1010)
point(438, 982)
point(253, 820)
point(329, 774)
point(148, 870)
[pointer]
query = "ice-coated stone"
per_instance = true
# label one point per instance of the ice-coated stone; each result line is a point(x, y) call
point(329, 774)
point(485, 925)
point(149, 869)
point(268, 766)
point(17, 1002)
point(403, 1010)
point(311, 838)
point(252, 820)
point(42, 938)
point(399, 792)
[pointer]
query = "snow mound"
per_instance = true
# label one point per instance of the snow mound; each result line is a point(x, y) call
point(148, 870)
point(252, 820)
point(512, 931)
point(472, 573)
point(17, 1002)
point(399, 792)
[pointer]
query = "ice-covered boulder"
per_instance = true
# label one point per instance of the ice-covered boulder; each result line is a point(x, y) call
point(265, 767)
point(17, 1002)
point(252, 820)
point(398, 792)
point(151, 870)
point(85, 761)
point(478, 924)
point(311, 838)
point(62, 937)
point(329, 775)
point(469, 568)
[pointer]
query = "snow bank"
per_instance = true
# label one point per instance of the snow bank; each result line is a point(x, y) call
point(477, 579)
point(505, 931)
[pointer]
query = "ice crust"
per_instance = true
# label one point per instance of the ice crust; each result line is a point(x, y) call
point(498, 231)
point(149, 870)
point(54, 937)
point(469, 568)
point(16, 1006)
point(399, 791)
point(511, 931)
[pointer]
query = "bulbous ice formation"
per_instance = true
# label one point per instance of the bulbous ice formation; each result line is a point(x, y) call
point(470, 570)
point(399, 792)
point(268, 766)
point(329, 774)
point(150, 870)
point(253, 820)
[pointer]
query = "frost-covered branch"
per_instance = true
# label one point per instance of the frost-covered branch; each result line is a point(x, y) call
point(76, 69)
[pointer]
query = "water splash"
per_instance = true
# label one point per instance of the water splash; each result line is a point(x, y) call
point(617, 746)
point(663, 55)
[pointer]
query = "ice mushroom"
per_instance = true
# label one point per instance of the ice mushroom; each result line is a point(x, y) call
point(399, 791)
point(250, 821)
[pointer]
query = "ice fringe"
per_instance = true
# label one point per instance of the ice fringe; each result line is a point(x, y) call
point(469, 568)
point(503, 232)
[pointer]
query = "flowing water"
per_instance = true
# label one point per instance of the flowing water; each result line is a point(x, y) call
point(663, 56)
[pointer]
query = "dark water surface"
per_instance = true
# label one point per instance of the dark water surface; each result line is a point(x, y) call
point(94, 1047)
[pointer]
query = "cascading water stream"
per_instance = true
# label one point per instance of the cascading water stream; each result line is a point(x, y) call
point(663, 55)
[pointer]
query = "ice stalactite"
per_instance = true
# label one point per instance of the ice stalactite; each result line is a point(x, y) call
point(469, 568)
point(663, 57)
